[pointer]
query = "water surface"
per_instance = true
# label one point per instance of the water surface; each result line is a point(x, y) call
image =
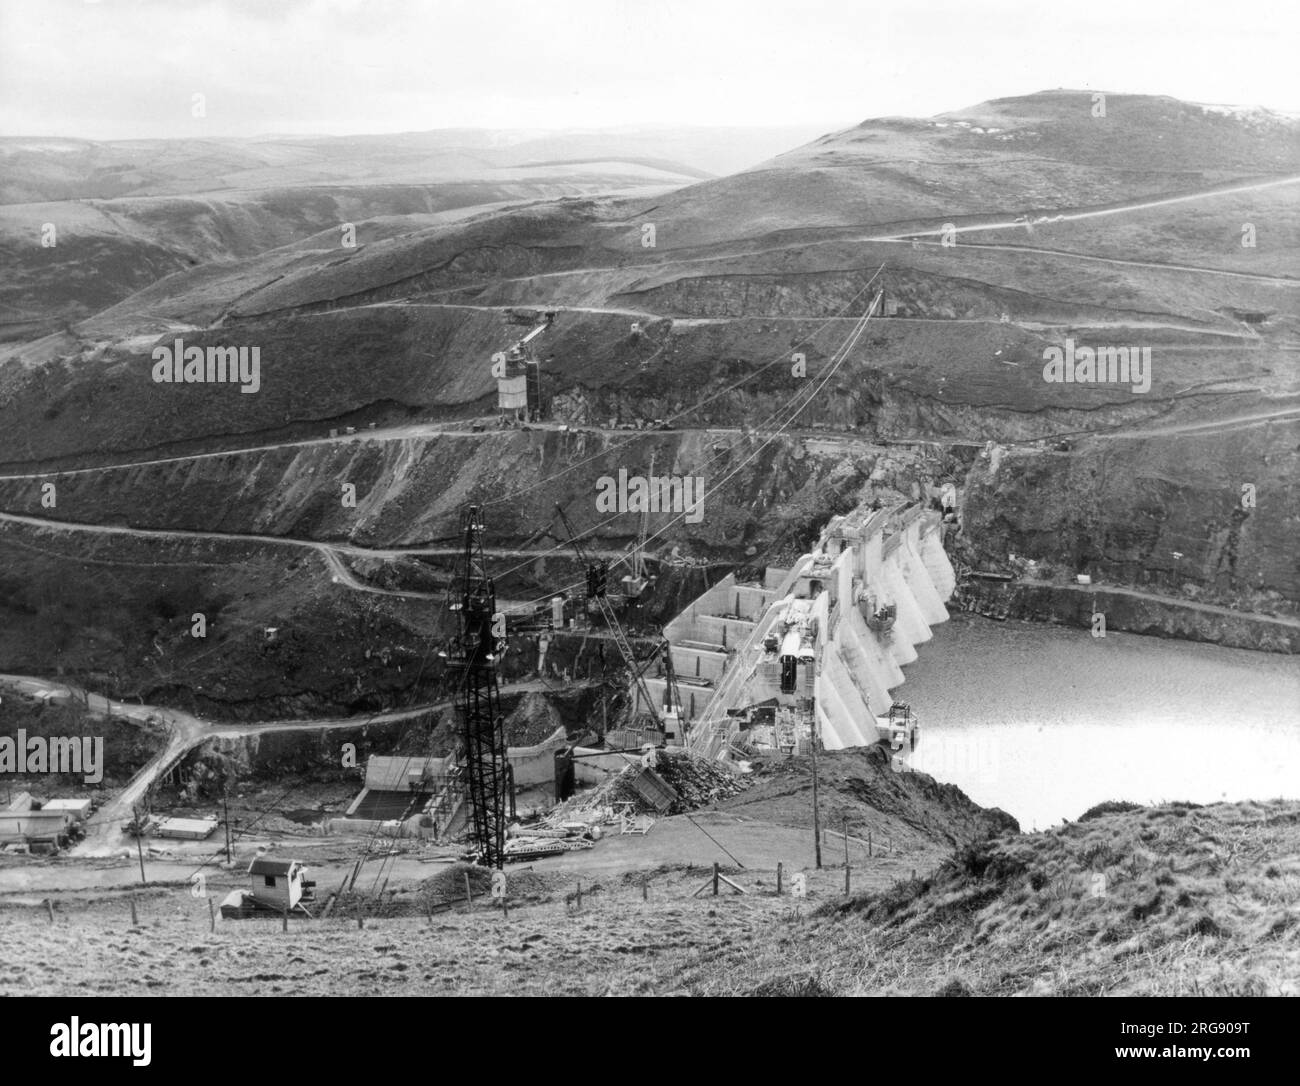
point(1045, 721)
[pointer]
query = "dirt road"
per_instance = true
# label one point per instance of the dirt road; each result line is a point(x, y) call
point(104, 830)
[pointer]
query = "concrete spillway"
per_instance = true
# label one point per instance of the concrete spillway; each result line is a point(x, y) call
point(729, 644)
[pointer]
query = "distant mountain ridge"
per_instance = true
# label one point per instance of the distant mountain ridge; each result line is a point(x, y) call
point(38, 170)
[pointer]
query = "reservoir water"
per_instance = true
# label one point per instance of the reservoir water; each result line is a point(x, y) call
point(1046, 721)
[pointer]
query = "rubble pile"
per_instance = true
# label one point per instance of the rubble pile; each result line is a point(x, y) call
point(698, 782)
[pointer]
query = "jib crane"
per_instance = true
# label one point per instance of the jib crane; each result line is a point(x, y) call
point(597, 576)
point(669, 717)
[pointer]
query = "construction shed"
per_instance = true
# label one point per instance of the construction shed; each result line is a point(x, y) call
point(35, 826)
point(78, 808)
point(278, 884)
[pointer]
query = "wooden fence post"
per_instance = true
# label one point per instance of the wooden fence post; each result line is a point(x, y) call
point(846, 854)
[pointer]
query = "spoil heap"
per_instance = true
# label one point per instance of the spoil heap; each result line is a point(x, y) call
point(698, 782)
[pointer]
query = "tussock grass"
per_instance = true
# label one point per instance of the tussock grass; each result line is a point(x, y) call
point(1176, 899)
point(1179, 901)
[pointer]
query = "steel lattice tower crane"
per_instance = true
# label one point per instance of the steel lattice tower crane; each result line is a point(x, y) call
point(479, 701)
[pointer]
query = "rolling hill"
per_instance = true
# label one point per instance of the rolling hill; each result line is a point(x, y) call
point(997, 233)
point(127, 213)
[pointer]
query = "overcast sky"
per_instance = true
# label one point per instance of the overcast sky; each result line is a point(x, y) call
point(112, 69)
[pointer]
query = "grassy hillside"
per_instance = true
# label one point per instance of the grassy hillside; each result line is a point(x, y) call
point(127, 213)
point(1169, 900)
point(1175, 899)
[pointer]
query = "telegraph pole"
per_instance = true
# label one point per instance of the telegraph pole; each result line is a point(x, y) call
point(225, 811)
point(813, 743)
point(817, 828)
point(139, 848)
point(604, 692)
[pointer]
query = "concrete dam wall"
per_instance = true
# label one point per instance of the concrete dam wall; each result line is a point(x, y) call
point(829, 637)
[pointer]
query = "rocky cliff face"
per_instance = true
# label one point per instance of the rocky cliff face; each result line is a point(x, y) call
point(1129, 610)
point(1207, 518)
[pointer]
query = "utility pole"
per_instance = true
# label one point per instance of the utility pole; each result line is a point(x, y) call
point(814, 741)
point(139, 848)
point(604, 692)
point(846, 854)
point(817, 827)
point(225, 811)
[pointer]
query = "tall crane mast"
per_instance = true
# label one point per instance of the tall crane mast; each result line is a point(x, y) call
point(482, 638)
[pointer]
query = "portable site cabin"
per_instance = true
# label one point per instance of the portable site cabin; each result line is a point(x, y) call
point(279, 884)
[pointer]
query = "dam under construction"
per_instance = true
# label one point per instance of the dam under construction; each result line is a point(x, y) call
point(760, 547)
point(813, 653)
